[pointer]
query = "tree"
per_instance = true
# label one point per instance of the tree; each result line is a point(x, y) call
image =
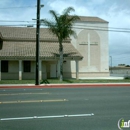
point(62, 28)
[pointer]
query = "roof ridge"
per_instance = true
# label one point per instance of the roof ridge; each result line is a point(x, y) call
point(92, 19)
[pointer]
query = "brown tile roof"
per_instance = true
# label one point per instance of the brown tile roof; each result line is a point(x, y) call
point(25, 33)
point(19, 42)
point(26, 50)
point(92, 19)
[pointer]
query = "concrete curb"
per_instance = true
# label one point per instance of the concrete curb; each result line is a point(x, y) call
point(83, 85)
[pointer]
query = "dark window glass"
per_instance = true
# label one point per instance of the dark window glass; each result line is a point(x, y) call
point(4, 66)
point(27, 66)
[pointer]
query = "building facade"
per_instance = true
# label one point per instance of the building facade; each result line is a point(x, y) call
point(92, 42)
point(85, 54)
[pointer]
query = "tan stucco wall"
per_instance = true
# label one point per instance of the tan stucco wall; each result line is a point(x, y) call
point(120, 71)
point(96, 57)
point(13, 66)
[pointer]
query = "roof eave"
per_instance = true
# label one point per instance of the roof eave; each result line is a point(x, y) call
point(41, 58)
point(33, 39)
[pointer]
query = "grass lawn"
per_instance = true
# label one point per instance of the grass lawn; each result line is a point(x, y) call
point(56, 81)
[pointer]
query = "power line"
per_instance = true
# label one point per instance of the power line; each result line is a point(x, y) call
point(74, 27)
point(14, 21)
point(18, 7)
point(18, 25)
point(97, 27)
point(106, 27)
point(108, 30)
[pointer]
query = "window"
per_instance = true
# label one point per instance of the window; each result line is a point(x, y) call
point(4, 66)
point(27, 66)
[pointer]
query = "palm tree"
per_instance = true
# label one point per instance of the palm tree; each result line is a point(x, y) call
point(62, 28)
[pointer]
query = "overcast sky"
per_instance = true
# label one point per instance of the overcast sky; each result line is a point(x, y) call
point(116, 12)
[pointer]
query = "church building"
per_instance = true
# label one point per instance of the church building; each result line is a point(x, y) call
point(85, 53)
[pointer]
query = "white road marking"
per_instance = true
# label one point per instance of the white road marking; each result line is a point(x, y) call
point(45, 117)
point(33, 101)
point(13, 94)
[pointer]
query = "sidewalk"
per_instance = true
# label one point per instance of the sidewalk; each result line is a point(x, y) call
point(72, 85)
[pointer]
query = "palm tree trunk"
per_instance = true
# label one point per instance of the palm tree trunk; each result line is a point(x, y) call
point(61, 61)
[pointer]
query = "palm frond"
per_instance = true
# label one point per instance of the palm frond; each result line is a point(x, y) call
point(68, 10)
point(62, 24)
point(54, 15)
point(52, 27)
point(73, 18)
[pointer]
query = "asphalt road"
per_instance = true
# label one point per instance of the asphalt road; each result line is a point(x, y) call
point(64, 108)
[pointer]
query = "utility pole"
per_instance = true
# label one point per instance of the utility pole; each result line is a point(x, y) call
point(37, 42)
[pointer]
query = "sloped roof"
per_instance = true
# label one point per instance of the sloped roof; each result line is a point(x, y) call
point(26, 50)
point(20, 43)
point(25, 33)
point(92, 19)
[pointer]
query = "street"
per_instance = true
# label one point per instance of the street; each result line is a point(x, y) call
point(96, 108)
